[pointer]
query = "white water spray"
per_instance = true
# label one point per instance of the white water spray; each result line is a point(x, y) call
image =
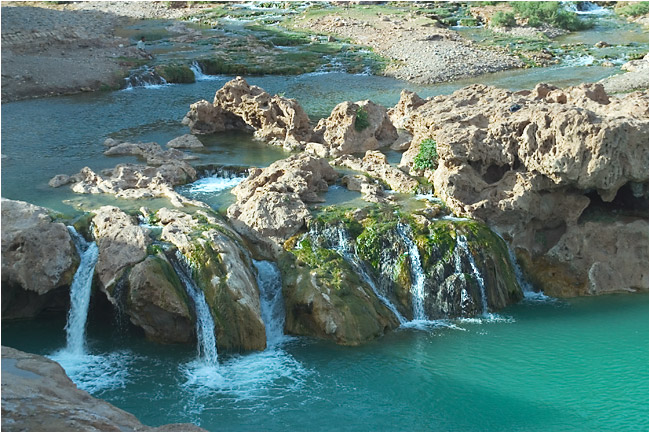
point(417, 274)
point(461, 242)
point(343, 245)
point(269, 281)
point(80, 294)
point(199, 75)
point(206, 340)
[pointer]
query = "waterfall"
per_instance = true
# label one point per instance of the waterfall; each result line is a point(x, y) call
point(198, 73)
point(461, 242)
point(343, 245)
point(527, 288)
point(145, 76)
point(80, 294)
point(206, 340)
point(417, 273)
point(269, 281)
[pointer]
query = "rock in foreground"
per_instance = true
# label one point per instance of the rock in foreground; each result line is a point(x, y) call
point(37, 395)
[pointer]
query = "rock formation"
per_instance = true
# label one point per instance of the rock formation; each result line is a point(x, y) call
point(164, 170)
point(187, 141)
point(529, 163)
point(374, 163)
point(37, 395)
point(38, 257)
point(272, 202)
point(222, 269)
point(274, 119)
point(355, 128)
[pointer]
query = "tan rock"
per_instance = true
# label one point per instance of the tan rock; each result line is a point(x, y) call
point(374, 163)
point(341, 131)
point(37, 395)
point(122, 243)
point(38, 256)
point(187, 141)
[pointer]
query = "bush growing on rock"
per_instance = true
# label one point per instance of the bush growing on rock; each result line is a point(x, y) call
point(361, 122)
point(551, 13)
point(428, 156)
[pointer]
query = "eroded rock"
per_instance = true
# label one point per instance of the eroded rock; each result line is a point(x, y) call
point(38, 257)
point(374, 163)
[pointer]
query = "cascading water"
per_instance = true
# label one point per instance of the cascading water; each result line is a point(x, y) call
point(144, 77)
point(417, 273)
point(80, 294)
point(461, 241)
point(206, 340)
point(199, 75)
point(269, 281)
point(465, 299)
point(527, 288)
point(343, 245)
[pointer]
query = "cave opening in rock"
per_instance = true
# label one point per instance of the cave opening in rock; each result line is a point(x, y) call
point(631, 201)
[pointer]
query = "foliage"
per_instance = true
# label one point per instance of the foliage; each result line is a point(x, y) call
point(552, 13)
point(428, 155)
point(175, 73)
point(503, 19)
point(361, 122)
point(632, 9)
point(468, 22)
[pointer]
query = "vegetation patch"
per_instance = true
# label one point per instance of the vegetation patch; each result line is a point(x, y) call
point(632, 9)
point(503, 19)
point(427, 158)
point(175, 73)
point(549, 12)
point(361, 121)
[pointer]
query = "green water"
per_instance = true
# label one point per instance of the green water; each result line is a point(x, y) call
point(575, 365)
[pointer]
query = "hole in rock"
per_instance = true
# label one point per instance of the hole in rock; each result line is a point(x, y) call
point(631, 201)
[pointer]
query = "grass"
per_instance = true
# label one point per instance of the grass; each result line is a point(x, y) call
point(632, 9)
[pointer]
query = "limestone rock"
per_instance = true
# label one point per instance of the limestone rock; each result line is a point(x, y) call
point(270, 206)
point(187, 141)
point(122, 243)
point(273, 118)
point(530, 163)
point(374, 163)
point(37, 395)
point(371, 191)
point(222, 269)
point(38, 256)
point(402, 111)
point(346, 131)
point(158, 303)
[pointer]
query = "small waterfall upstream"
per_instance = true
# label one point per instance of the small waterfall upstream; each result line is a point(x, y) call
point(80, 294)
point(145, 76)
point(206, 340)
point(461, 241)
point(417, 273)
point(269, 281)
point(343, 245)
point(199, 75)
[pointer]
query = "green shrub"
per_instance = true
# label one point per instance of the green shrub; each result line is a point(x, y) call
point(503, 19)
point(632, 9)
point(428, 155)
point(361, 122)
point(552, 13)
point(468, 22)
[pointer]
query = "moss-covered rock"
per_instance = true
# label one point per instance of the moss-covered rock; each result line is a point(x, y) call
point(158, 303)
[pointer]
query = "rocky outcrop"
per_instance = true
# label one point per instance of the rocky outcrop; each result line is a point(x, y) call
point(38, 257)
point(37, 395)
point(164, 170)
point(122, 243)
point(157, 302)
point(374, 163)
point(274, 119)
point(271, 203)
point(187, 141)
point(529, 163)
point(356, 127)
point(222, 270)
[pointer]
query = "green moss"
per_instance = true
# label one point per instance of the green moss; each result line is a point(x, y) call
point(175, 73)
point(83, 225)
point(154, 249)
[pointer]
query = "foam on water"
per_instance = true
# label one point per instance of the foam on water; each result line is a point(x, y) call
point(214, 184)
point(96, 373)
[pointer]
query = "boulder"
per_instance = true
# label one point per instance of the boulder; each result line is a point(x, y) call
point(157, 302)
point(402, 111)
point(122, 243)
point(221, 268)
point(271, 202)
point(275, 119)
point(38, 257)
point(356, 127)
point(187, 141)
point(37, 395)
point(374, 163)
point(531, 163)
